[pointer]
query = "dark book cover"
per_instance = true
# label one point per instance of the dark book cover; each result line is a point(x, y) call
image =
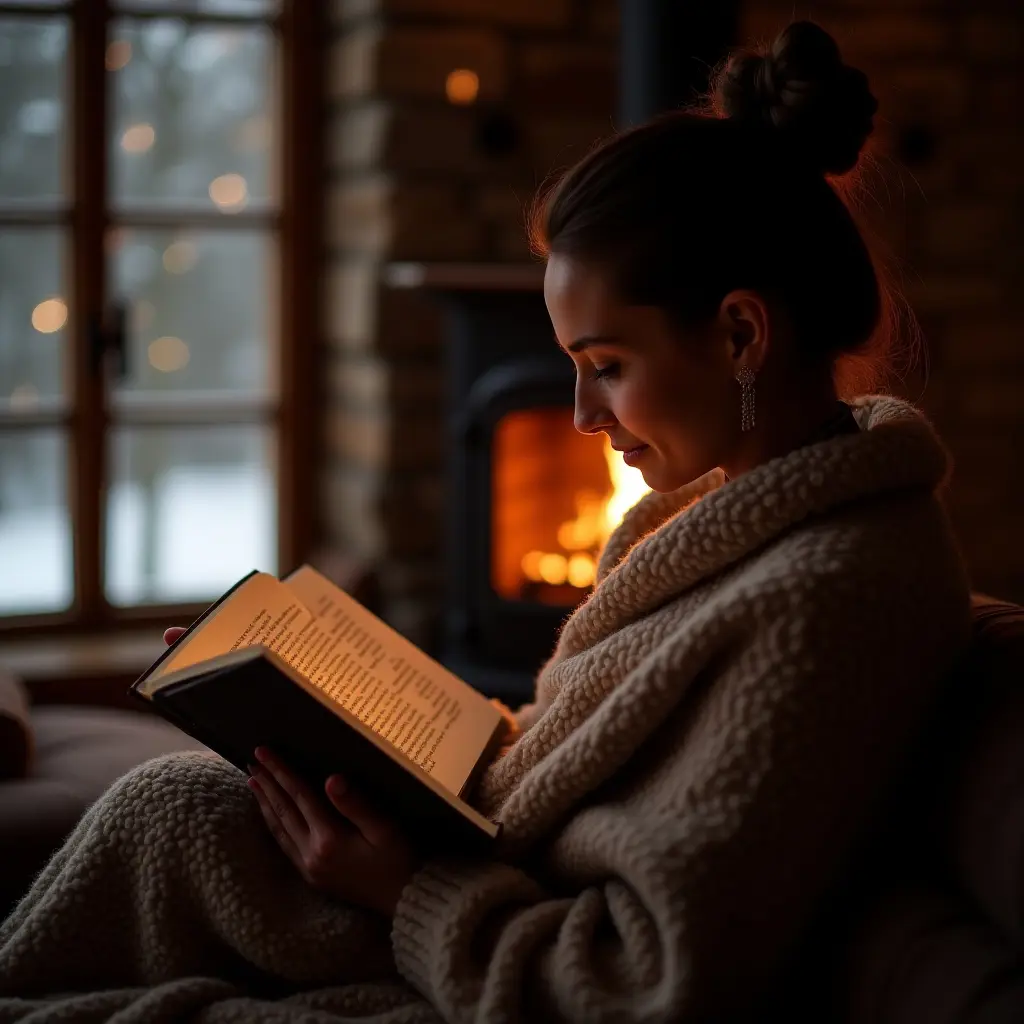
point(250, 700)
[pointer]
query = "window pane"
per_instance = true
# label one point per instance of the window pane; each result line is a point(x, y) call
point(33, 315)
point(191, 113)
point(35, 531)
point(33, 64)
point(198, 309)
point(189, 512)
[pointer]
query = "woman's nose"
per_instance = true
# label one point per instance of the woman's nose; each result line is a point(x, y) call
point(590, 414)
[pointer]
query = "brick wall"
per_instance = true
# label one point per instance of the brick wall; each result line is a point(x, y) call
point(950, 80)
point(413, 176)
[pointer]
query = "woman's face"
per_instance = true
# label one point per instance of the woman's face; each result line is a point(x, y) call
point(669, 401)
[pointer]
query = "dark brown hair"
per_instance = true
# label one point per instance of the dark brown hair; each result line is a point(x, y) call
point(740, 194)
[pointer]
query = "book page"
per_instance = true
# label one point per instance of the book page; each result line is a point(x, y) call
point(261, 611)
point(432, 716)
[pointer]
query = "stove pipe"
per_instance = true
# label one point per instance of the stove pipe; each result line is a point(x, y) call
point(667, 50)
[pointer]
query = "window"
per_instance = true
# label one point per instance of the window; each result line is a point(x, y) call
point(156, 302)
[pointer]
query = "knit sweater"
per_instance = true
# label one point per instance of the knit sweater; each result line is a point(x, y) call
point(708, 741)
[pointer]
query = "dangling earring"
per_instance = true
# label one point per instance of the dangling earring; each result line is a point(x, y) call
point(745, 376)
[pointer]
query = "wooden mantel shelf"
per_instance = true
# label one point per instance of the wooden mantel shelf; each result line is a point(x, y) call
point(483, 277)
point(81, 669)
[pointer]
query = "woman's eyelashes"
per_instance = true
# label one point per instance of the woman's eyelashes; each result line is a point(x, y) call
point(603, 372)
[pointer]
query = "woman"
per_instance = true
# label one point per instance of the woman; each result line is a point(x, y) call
point(718, 721)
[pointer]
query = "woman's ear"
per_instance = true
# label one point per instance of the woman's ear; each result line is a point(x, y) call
point(746, 325)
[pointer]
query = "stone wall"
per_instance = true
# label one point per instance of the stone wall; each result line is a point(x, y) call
point(414, 176)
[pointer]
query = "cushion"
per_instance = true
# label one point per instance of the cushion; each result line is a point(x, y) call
point(35, 816)
point(15, 729)
point(982, 829)
point(79, 752)
point(85, 748)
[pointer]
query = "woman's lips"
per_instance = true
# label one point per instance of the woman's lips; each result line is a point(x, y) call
point(631, 455)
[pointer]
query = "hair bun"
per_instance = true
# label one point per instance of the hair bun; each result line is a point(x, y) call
point(822, 108)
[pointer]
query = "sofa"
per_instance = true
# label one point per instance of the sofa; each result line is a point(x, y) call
point(55, 760)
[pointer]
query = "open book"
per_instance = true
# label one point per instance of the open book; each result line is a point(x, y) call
point(299, 666)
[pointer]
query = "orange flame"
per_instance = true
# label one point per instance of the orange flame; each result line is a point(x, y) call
point(581, 539)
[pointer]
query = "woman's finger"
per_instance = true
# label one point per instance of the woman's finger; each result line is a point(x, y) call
point(282, 806)
point(277, 830)
point(375, 827)
point(311, 809)
point(174, 634)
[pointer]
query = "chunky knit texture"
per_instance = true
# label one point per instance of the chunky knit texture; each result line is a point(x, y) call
point(707, 743)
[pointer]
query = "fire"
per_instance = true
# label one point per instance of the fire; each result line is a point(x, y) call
point(581, 539)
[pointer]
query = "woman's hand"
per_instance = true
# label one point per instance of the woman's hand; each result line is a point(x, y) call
point(360, 857)
point(356, 855)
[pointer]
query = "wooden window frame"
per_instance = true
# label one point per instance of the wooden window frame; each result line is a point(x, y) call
point(85, 419)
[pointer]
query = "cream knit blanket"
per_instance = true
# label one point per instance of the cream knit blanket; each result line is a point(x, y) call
point(708, 740)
